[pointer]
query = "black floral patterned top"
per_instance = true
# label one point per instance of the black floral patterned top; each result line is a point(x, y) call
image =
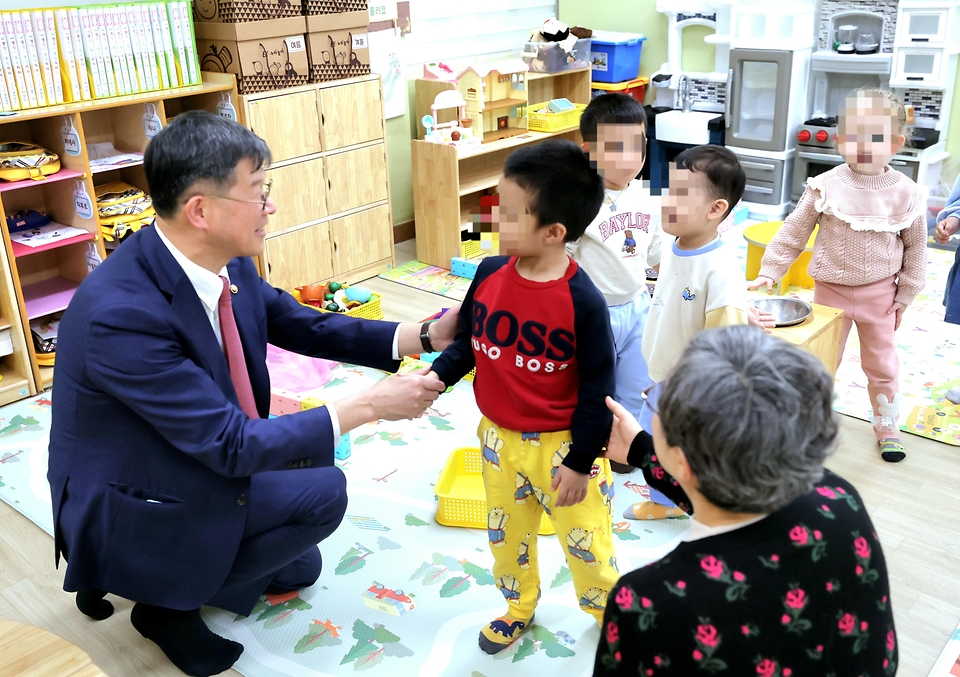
point(802, 592)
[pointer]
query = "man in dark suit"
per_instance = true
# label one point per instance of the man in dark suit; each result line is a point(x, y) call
point(170, 485)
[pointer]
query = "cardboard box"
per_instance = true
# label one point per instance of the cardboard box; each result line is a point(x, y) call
point(334, 6)
point(264, 55)
point(337, 46)
point(239, 11)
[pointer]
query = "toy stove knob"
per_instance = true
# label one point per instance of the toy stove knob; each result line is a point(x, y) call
point(803, 135)
point(822, 136)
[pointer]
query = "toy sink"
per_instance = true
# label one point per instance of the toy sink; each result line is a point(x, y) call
point(461, 498)
point(686, 128)
point(786, 311)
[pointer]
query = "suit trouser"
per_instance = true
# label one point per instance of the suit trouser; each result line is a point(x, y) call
point(288, 513)
point(518, 469)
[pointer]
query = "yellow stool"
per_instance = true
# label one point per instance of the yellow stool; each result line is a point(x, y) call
point(758, 236)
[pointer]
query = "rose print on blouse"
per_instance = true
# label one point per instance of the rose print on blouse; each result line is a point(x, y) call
point(816, 653)
point(679, 588)
point(611, 637)
point(708, 641)
point(861, 549)
point(803, 537)
point(771, 562)
point(850, 627)
point(767, 667)
point(659, 661)
point(890, 663)
point(839, 494)
point(717, 570)
point(749, 630)
point(794, 603)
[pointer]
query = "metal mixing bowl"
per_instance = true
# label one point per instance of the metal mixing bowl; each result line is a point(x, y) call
point(786, 311)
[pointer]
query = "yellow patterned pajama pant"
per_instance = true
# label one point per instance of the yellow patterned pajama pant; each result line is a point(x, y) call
point(518, 469)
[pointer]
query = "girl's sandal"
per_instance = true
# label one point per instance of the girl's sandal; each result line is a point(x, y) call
point(891, 450)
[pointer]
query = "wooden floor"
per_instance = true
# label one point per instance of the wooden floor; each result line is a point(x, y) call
point(915, 506)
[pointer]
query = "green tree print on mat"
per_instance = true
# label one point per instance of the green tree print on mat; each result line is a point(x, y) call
point(563, 577)
point(538, 639)
point(277, 610)
point(413, 521)
point(442, 567)
point(319, 634)
point(373, 645)
point(353, 560)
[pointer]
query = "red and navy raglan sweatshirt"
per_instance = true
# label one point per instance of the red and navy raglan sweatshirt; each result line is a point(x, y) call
point(543, 351)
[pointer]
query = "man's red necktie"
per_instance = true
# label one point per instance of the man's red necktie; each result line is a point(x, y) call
point(234, 352)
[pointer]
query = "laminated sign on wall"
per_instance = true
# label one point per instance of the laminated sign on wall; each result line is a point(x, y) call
point(385, 60)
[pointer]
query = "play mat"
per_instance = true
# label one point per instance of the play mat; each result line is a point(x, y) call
point(948, 664)
point(929, 358)
point(399, 594)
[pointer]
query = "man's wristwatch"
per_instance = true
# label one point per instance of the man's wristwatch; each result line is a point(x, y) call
point(425, 337)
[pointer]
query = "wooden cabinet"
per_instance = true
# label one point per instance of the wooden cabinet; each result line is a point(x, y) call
point(356, 178)
point(448, 183)
point(288, 123)
point(330, 181)
point(299, 191)
point(38, 282)
point(361, 239)
point(298, 255)
point(351, 114)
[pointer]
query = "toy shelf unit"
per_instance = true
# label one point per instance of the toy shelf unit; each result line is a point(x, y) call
point(330, 181)
point(449, 181)
point(39, 272)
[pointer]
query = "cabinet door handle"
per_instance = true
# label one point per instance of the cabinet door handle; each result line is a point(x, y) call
point(757, 165)
point(335, 250)
point(323, 120)
point(758, 189)
point(329, 185)
point(269, 269)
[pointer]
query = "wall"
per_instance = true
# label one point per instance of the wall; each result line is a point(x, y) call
point(641, 16)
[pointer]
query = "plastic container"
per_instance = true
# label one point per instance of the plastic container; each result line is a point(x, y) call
point(615, 57)
point(637, 88)
point(462, 267)
point(548, 57)
point(470, 249)
point(371, 310)
point(542, 120)
point(461, 498)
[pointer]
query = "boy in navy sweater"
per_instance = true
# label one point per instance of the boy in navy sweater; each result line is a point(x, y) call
point(538, 332)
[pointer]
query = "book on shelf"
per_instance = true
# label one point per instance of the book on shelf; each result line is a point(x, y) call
point(7, 64)
point(46, 235)
point(29, 91)
point(68, 64)
point(158, 49)
point(189, 42)
point(137, 76)
point(168, 45)
point(116, 83)
point(34, 56)
point(53, 49)
point(51, 84)
point(94, 58)
point(72, 25)
point(4, 96)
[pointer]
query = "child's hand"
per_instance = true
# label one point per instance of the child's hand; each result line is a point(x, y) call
point(759, 282)
point(760, 318)
point(946, 228)
point(897, 308)
point(570, 485)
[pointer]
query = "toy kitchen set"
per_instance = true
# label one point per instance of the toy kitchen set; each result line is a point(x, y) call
point(781, 71)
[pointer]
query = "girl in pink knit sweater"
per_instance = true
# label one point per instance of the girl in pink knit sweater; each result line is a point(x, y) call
point(869, 257)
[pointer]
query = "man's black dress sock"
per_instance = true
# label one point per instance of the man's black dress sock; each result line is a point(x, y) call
point(186, 639)
point(91, 602)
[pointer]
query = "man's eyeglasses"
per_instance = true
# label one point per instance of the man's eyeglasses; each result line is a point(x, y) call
point(650, 395)
point(262, 201)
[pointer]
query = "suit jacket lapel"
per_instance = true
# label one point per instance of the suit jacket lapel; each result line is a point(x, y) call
point(187, 306)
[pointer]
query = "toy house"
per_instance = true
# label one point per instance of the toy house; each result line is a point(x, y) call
point(495, 94)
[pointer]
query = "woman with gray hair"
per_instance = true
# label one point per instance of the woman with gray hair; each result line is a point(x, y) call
point(782, 572)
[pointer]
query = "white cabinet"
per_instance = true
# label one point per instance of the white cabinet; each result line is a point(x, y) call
point(916, 67)
point(923, 27)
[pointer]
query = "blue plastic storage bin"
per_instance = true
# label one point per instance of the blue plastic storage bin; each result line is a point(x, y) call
point(615, 57)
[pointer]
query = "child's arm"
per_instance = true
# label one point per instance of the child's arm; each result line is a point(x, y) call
point(790, 240)
point(726, 302)
point(457, 360)
point(596, 360)
point(913, 274)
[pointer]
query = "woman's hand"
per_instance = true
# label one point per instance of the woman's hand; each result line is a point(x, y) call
point(625, 428)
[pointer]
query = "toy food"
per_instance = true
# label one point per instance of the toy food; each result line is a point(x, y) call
point(358, 294)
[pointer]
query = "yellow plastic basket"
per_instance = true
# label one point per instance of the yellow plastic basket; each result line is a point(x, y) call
point(462, 500)
point(470, 249)
point(371, 310)
point(553, 122)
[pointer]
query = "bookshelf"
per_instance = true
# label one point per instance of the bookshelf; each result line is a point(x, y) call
point(39, 281)
point(448, 183)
